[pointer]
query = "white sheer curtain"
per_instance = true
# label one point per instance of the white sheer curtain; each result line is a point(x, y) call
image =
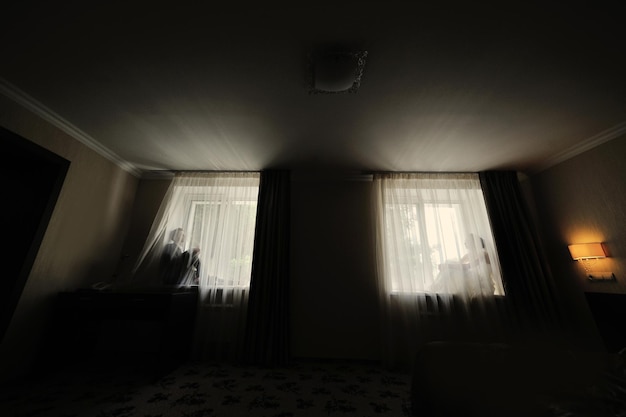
point(203, 235)
point(438, 269)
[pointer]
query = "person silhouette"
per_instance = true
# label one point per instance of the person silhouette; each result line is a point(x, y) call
point(478, 266)
point(191, 273)
point(474, 253)
point(171, 262)
point(470, 275)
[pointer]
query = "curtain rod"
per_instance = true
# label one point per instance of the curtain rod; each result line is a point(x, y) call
point(419, 172)
point(169, 173)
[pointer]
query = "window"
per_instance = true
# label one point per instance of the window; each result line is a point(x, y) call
point(436, 236)
point(225, 226)
point(204, 231)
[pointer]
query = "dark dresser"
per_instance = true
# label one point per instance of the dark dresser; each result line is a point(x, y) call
point(609, 312)
point(145, 327)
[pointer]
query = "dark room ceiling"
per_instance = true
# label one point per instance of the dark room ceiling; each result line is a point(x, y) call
point(446, 86)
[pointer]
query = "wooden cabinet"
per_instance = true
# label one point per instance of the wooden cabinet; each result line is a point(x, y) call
point(153, 328)
point(609, 312)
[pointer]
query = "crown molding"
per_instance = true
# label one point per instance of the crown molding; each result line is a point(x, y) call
point(12, 92)
point(587, 144)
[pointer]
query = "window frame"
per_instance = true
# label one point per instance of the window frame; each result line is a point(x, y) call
point(419, 204)
point(193, 199)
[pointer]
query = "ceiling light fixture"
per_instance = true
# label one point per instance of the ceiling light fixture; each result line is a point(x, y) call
point(333, 72)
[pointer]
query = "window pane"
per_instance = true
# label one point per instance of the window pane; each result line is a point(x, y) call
point(444, 232)
point(227, 230)
point(436, 235)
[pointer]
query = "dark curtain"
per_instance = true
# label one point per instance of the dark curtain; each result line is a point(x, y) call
point(532, 305)
point(267, 331)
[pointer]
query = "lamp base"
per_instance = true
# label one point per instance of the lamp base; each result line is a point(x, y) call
point(601, 276)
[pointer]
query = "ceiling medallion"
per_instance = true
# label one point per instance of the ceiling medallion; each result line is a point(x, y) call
point(333, 72)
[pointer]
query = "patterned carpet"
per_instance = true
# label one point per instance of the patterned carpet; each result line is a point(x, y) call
point(207, 390)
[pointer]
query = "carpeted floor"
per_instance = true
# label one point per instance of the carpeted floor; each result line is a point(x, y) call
point(306, 388)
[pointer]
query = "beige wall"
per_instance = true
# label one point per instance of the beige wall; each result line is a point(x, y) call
point(334, 300)
point(82, 243)
point(584, 200)
point(148, 198)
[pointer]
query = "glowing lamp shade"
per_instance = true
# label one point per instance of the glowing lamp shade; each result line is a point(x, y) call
point(586, 251)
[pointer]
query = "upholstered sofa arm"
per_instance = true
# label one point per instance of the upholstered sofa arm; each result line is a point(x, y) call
point(495, 380)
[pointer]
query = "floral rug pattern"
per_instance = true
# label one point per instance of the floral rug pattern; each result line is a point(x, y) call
point(208, 390)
